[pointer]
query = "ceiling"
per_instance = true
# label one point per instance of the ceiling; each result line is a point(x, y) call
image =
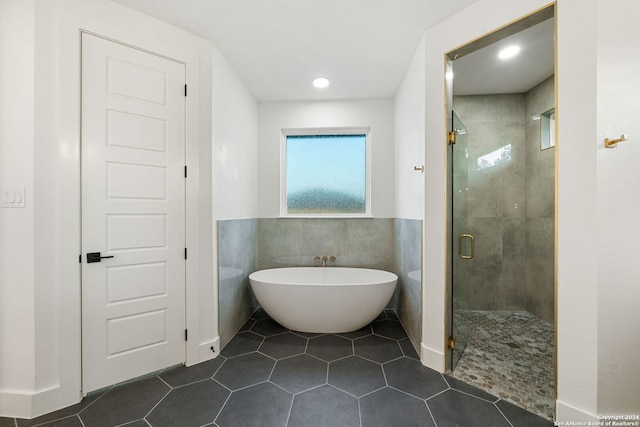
point(278, 46)
point(482, 73)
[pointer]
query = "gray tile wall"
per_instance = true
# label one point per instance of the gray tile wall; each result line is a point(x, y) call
point(237, 258)
point(355, 242)
point(511, 205)
point(496, 202)
point(248, 245)
point(540, 209)
point(408, 267)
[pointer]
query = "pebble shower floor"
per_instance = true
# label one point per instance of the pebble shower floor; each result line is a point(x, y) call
point(510, 354)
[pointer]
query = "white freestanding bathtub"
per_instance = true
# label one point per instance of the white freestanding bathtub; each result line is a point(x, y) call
point(323, 299)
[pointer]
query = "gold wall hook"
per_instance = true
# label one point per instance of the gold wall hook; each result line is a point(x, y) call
point(419, 168)
point(612, 143)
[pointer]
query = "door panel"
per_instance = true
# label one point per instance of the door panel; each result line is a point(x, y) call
point(125, 181)
point(133, 211)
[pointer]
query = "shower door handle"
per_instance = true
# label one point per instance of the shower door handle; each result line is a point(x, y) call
point(472, 246)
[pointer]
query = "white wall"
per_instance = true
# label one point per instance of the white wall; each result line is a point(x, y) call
point(39, 117)
point(17, 322)
point(234, 162)
point(577, 317)
point(618, 207)
point(577, 258)
point(374, 113)
point(235, 144)
point(409, 139)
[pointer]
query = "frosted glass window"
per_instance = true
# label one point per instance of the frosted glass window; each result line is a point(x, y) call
point(326, 174)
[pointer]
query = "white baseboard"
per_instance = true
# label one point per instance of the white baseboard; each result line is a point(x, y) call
point(569, 415)
point(29, 405)
point(433, 358)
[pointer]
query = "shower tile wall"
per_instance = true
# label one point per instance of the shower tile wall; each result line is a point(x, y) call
point(237, 258)
point(408, 267)
point(496, 201)
point(540, 209)
point(512, 202)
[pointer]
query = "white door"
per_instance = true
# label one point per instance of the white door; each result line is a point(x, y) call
point(133, 212)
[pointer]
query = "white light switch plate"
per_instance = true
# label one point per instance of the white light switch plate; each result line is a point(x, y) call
point(13, 198)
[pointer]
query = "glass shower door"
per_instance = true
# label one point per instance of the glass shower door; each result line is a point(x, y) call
point(462, 244)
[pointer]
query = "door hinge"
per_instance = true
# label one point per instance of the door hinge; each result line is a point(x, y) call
point(186, 335)
point(185, 90)
point(451, 342)
point(185, 171)
point(452, 137)
point(80, 258)
point(185, 253)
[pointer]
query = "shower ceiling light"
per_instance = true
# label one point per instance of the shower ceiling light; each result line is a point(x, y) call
point(321, 82)
point(509, 52)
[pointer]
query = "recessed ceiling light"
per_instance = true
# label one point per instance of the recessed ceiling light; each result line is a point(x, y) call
point(509, 52)
point(321, 82)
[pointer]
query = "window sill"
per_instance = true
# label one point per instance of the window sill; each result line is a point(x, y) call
point(326, 216)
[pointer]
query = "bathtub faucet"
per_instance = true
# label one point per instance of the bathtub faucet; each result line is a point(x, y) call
point(324, 259)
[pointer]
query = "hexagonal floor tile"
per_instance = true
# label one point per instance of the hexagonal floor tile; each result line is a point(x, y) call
point(247, 325)
point(181, 375)
point(242, 343)
point(242, 371)
point(391, 314)
point(324, 407)
point(460, 385)
point(380, 316)
point(258, 406)
point(376, 348)
point(283, 345)
point(299, 373)
point(520, 417)
point(259, 314)
point(389, 328)
point(191, 405)
point(389, 407)
point(359, 333)
point(453, 408)
point(356, 375)
point(404, 373)
point(408, 349)
point(72, 421)
point(268, 327)
point(134, 401)
point(329, 347)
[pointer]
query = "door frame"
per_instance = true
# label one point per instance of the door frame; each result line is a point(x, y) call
point(436, 277)
point(515, 26)
point(63, 77)
point(192, 220)
point(180, 73)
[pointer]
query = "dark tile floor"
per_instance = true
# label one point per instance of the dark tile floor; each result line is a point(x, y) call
point(269, 376)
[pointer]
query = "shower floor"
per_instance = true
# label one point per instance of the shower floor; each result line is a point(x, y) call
point(511, 355)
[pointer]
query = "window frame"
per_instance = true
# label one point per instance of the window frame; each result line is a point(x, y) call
point(366, 131)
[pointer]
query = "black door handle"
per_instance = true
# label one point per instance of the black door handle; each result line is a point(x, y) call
point(95, 257)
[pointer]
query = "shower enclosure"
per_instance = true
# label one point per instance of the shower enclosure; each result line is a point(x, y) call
point(502, 213)
point(502, 242)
